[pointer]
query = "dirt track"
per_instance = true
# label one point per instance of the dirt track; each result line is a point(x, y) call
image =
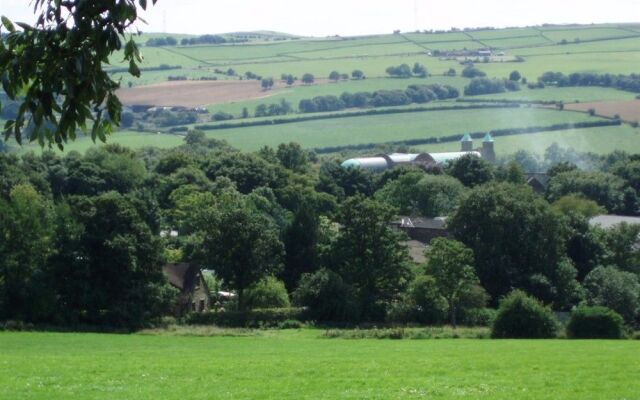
point(193, 93)
point(628, 110)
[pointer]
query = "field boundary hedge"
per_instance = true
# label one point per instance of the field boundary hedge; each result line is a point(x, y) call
point(474, 135)
point(279, 121)
point(267, 318)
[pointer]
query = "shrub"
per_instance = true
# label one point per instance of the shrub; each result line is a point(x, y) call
point(615, 289)
point(268, 293)
point(290, 324)
point(421, 303)
point(521, 316)
point(326, 296)
point(271, 318)
point(595, 323)
point(221, 116)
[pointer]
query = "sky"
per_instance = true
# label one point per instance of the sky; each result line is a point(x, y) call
point(358, 17)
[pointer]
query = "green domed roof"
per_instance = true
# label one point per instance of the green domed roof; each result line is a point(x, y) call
point(488, 138)
point(466, 138)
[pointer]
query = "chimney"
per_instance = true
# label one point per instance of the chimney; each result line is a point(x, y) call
point(466, 144)
point(488, 152)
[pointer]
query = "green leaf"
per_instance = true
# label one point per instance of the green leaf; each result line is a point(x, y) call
point(133, 69)
point(7, 24)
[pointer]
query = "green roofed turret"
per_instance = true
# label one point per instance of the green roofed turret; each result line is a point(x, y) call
point(466, 143)
point(488, 138)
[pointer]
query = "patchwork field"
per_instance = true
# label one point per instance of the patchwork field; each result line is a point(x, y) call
point(301, 365)
point(604, 48)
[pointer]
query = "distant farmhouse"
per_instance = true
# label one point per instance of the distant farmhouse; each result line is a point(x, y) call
point(383, 162)
point(194, 292)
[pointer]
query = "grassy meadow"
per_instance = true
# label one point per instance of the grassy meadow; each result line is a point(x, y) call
point(392, 127)
point(602, 140)
point(302, 365)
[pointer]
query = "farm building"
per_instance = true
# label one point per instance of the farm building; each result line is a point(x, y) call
point(383, 162)
point(423, 230)
point(194, 292)
point(610, 221)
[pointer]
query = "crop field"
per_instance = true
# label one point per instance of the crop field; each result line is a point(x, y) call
point(564, 94)
point(602, 140)
point(627, 110)
point(192, 93)
point(392, 127)
point(301, 365)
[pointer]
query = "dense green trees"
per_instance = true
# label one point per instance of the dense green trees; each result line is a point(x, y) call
point(241, 243)
point(416, 193)
point(278, 222)
point(517, 239)
point(399, 71)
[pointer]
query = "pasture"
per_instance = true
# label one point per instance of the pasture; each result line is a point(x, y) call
point(601, 140)
point(302, 365)
point(392, 127)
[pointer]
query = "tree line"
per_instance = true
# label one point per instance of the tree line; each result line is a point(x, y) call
point(83, 245)
point(630, 83)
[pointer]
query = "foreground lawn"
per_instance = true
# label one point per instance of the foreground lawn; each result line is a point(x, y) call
point(301, 365)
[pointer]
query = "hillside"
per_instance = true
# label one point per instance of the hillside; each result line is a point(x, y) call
point(223, 78)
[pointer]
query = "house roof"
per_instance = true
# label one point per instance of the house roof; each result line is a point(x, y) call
point(541, 177)
point(179, 275)
point(609, 221)
point(466, 138)
point(438, 223)
point(488, 138)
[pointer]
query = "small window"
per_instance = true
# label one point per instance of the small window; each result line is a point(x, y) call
point(201, 305)
point(193, 306)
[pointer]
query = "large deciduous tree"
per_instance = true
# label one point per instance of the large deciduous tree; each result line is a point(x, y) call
point(451, 264)
point(369, 255)
point(515, 236)
point(237, 241)
point(56, 68)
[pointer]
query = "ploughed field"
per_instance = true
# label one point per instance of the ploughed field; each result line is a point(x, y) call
point(302, 365)
point(628, 110)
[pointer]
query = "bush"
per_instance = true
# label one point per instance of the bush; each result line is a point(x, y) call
point(221, 116)
point(291, 324)
point(595, 323)
point(268, 293)
point(422, 303)
point(326, 296)
point(271, 318)
point(523, 317)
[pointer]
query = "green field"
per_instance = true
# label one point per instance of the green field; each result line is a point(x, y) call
point(300, 365)
point(596, 140)
point(392, 127)
point(564, 94)
point(134, 140)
